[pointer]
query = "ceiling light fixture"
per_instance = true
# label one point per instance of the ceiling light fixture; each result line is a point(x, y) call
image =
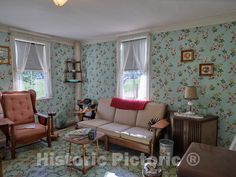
point(60, 3)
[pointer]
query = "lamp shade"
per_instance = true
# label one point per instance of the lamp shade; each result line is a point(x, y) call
point(60, 2)
point(190, 93)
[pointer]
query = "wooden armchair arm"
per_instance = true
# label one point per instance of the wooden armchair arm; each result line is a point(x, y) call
point(86, 110)
point(81, 113)
point(160, 124)
point(157, 128)
point(43, 119)
point(42, 115)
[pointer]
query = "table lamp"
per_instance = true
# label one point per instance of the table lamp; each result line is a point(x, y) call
point(190, 93)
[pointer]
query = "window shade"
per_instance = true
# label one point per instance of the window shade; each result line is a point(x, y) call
point(131, 64)
point(135, 52)
point(33, 60)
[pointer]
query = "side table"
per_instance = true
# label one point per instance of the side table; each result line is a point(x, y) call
point(208, 161)
point(4, 126)
point(187, 129)
point(82, 141)
point(54, 135)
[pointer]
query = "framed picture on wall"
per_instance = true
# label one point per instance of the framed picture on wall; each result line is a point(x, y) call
point(187, 55)
point(4, 55)
point(206, 69)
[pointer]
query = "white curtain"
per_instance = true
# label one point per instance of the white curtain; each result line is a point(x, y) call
point(43, 53)
point(125, 51)
point(22, 52)
point(140, 56)
point(133, 57)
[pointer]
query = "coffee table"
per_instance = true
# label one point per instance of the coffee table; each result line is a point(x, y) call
point(82, 142)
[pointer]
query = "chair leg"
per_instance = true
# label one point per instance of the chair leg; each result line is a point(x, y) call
point(13, 150)
point(7, 142)
point(106, 138)
point(49, 141)
point(49, 133)
point(12, 142)
point(153, 148)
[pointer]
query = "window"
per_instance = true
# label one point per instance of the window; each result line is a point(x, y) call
point(133, 75)
point(32, 68)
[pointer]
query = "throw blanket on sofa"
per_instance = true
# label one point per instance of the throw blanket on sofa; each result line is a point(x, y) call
point(128, 104)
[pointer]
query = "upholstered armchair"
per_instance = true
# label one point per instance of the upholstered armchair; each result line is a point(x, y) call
point(19, 110)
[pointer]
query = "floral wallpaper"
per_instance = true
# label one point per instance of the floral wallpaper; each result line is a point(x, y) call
point(63, 100)
point(99, 68)
point(217, 94)
point(6, 82)
point(212, 44)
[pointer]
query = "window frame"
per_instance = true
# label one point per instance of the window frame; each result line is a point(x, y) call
point(118, 60)
point(46, 44)
point(41, 98)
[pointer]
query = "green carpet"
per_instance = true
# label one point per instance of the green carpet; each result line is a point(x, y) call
point(25, 165)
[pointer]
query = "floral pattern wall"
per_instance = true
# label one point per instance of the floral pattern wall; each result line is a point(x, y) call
point(212, 44)
point(6, 78)
point(63, 101)
point(99, 68)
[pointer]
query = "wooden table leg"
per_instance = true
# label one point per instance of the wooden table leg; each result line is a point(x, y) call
point(84, 155)
point(1, 173)
point(70, 158)
point(84, 168)
point(54, 135)
point(97, 152)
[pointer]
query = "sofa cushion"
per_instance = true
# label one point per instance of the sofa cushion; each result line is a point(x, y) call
point(152, 110)
point(137, 134)
point(104, 110)
point(127, 117)
point(113, 129)
point(94, 123)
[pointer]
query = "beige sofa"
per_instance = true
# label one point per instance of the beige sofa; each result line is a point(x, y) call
point(127, 128)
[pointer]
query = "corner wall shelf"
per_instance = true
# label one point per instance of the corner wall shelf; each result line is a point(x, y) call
point(72, 72)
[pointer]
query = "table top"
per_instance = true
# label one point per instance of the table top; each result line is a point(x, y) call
point(83, 139)
point(4, 121)
point(194, 117)
point(212, 161)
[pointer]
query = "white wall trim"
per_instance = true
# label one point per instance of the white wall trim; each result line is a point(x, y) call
point(132, 37)
point(30, 34)
point(198, 23)
point(4, 29)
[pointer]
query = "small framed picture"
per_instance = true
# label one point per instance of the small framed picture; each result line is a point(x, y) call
point(206, 69)
point(187, 55)
point(4, 55)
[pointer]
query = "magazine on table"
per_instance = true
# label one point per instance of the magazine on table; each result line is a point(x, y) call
point(26, 126)
point(79, 132)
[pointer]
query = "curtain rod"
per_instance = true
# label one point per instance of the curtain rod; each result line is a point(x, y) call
point(28, 41)
point(134, 39)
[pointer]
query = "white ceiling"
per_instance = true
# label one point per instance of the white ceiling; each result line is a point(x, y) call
point(89, 19)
